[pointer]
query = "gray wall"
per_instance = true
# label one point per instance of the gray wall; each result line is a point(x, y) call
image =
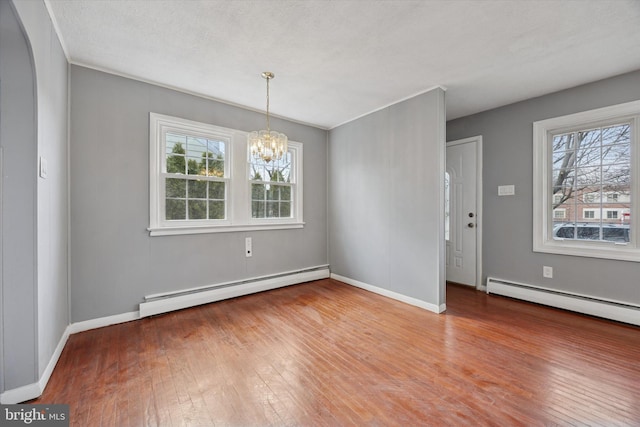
point(18, 220)
point(508, 221)
point(385, 198)
point(35, 214)
point(114, 261)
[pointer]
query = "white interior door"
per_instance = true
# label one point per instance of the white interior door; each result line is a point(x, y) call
point(462, 216)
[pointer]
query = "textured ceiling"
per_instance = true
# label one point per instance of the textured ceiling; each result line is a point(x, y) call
point(338, 60)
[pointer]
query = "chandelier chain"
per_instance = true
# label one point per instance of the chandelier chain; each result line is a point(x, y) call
point(268, 125)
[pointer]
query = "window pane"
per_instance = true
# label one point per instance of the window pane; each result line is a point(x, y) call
point(196, 166)
point(176, 188)
point(273, 210)
point(587, 176)
point(216, 166)
point(175, 164)
point(613, 154)
point(285, 193)
point(197, 209)
point(273, 193)
point(257, 191)
point(257, 209)
point(197, 189)
point(175, 143)
point(257, 172)
point(196, 147)
point(564, 212)
point(563, 177)
point(618, 234)
point(285, 210)
point(618, 134)
point(588, 233)
point(285, 173)
point(216, 190)
point(175, 209)
point(216, 210)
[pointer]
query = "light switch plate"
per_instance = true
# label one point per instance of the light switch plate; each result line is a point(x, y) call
point(43, 168)
point(506, 190)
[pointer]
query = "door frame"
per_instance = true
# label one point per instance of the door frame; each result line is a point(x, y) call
point(477, 141)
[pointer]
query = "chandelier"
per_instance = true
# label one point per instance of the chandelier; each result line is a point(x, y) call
point(267, 145)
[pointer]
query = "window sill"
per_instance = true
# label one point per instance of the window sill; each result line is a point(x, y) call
point(619, 252)
point(173, 231)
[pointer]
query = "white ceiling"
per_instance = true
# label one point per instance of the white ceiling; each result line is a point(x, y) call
point(337, 60)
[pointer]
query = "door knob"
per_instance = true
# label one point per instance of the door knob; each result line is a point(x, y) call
point(471, 225)
point(471, 215)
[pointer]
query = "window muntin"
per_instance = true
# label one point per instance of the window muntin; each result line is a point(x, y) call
point(199, 181)
point(587, 163)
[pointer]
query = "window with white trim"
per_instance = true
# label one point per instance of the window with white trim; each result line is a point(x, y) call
point(272, 188)
point(201, 181)
point(587, 163)
point(559, 213)
point(612, 213)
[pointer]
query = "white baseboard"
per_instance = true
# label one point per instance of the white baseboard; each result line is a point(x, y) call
point(390, 294)
point(32, 391)
point(179, 302)
point(599, 307)
point(101, 322)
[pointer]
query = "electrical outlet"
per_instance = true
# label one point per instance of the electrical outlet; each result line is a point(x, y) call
point(547, 272)
point(248, 251)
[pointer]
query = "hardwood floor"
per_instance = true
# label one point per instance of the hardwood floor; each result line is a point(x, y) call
point(325, 353)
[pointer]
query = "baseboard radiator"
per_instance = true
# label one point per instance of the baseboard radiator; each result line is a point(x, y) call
point(177, 300)
point(600, 307)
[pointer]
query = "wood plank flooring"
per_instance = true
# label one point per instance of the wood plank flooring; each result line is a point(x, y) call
point(325, 353)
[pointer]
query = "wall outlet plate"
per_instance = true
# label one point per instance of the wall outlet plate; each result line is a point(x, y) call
point(547, 272)
point(248, 250)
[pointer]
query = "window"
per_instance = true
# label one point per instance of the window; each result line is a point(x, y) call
point(587, 198)
point(202, 182)
point(587, 163)
point(559, 213)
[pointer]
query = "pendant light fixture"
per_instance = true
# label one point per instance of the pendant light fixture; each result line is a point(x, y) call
point(267, 145)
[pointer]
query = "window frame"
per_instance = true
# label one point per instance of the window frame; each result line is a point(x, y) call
point(543, 132)
point(237, 188)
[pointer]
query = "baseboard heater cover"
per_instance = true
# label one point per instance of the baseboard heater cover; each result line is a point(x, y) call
point(177, 300)
point(599, 307)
